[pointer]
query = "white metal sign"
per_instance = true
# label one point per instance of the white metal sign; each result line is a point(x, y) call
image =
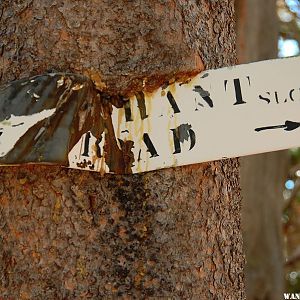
point(222, 113)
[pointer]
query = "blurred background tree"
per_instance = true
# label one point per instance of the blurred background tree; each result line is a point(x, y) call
point(263, 175)
point(270, 182)
point(289, 41)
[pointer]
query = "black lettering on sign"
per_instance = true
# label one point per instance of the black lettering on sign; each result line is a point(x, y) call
point(98, 150)
point(16, 125)
point(182, 133)
point(127, 111)
point(276, 98)
point(86, 144)
point(140, 97)
point(141, 105)
point(238, 90)
point(173, 102)
point(139, 158)
point(265, 98)
point(291, 94)
point(249, 80)
point(198, 103)
point(149, 145)
point(204, 94)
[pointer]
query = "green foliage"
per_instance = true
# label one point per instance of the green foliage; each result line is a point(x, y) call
point(295, 155)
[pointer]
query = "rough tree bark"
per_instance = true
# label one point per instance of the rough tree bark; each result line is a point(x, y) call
point(263, 175)
point(68, 234)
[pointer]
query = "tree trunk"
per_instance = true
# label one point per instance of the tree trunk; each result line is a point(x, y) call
point(257, 30)
point(263, 175)
point(68, 234)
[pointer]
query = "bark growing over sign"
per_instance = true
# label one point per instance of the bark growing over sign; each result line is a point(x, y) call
point(108, 40)
point(72, 234)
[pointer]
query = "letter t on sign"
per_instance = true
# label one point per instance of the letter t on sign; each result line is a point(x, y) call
point(238, 90)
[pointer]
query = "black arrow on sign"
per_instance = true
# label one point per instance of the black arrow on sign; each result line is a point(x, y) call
point(288, 126)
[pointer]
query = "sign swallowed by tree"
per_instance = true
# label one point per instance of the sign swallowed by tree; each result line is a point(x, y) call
point(63, 119)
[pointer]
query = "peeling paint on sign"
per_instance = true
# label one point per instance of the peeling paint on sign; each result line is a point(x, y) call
point(41, 117)
point(63, 119)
